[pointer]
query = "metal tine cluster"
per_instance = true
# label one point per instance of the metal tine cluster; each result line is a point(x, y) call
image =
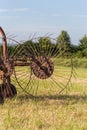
point(33, 65)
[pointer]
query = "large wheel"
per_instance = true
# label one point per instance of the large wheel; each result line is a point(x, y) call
point(38, 67)
point(46, 73)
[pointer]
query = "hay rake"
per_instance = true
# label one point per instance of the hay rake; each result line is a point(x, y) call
point(34, 67)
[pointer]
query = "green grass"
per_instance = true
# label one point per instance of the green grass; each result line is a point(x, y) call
point(57, 112)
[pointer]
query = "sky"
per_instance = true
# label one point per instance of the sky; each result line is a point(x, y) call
point(25, 18)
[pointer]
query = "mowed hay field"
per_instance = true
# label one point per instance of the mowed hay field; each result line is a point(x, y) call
point(67, 111)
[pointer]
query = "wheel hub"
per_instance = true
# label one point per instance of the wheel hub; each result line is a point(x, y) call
point(42, 67)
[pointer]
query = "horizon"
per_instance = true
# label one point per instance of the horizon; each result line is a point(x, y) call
point(44, 17)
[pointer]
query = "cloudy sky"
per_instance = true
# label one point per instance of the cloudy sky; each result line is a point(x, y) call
point(27, 17)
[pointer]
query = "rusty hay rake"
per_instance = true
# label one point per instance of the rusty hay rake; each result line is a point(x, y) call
point(34, 66)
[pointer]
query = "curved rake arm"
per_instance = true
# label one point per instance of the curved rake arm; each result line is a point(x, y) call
point(4, 44)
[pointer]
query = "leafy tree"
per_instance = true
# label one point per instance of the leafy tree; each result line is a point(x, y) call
point(83, 46)
point(44, 45)
point(64, 42)
point(83, 43)
point(44, 41)
point(29, 48)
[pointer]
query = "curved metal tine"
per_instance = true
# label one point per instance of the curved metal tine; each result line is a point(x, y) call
point(18, 50)
point(74, 74)
point(68, 87)
point(29, 80)
point(11, 36)
point(68, 72)
point(46, 48)
point(38, 50)
point(35, 88)
point(62, 84)
point(49, 85)
point(48, 34)
point(47, 51)
point(21, 86)
point(51, 49)
point(37, 47)
point(22, 72)
point(55, 50)
point(29, 87)
point(46, 86)
point(59, 76)
point(29, 37)
point(41, 51)
point(10, 43)
point(54, 87)
point(52, 84)
point(69, 81)
point(23, 77)
point(32, 48)
point(17, 47)
point(16, 43)
point(7, 33)
point(46, 45)
point(57, 83)
point(33, 85)
point(33, 36)
point(56, 56)
point(40, 47)
point(8, 47)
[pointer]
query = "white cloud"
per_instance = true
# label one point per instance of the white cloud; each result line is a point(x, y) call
point(14, 10)
point(56, 15)
point(4, 10)
point(73, 15)
point(80, 15)
point(20, 9)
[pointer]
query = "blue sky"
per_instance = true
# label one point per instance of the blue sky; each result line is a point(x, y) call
point(26, 17)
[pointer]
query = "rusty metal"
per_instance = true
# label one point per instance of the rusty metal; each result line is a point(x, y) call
point(42, 67)
point(6, 66)
point(28, 64)
point(4, 44)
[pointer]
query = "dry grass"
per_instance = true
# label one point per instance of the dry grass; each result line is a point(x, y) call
point(57, 112)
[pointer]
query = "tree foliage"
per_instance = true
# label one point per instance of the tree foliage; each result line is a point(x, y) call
point(64, 42)
point(45, 45)
point(83, 46)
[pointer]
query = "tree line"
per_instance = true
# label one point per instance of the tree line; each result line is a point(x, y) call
point(45, 45)
point(62, 44)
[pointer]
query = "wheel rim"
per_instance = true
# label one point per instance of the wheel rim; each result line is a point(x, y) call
point(48, 79)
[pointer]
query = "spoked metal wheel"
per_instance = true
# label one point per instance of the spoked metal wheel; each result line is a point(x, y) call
point(45, 73)
point(36, 66)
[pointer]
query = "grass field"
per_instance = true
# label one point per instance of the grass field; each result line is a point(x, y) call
point(58, 112)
